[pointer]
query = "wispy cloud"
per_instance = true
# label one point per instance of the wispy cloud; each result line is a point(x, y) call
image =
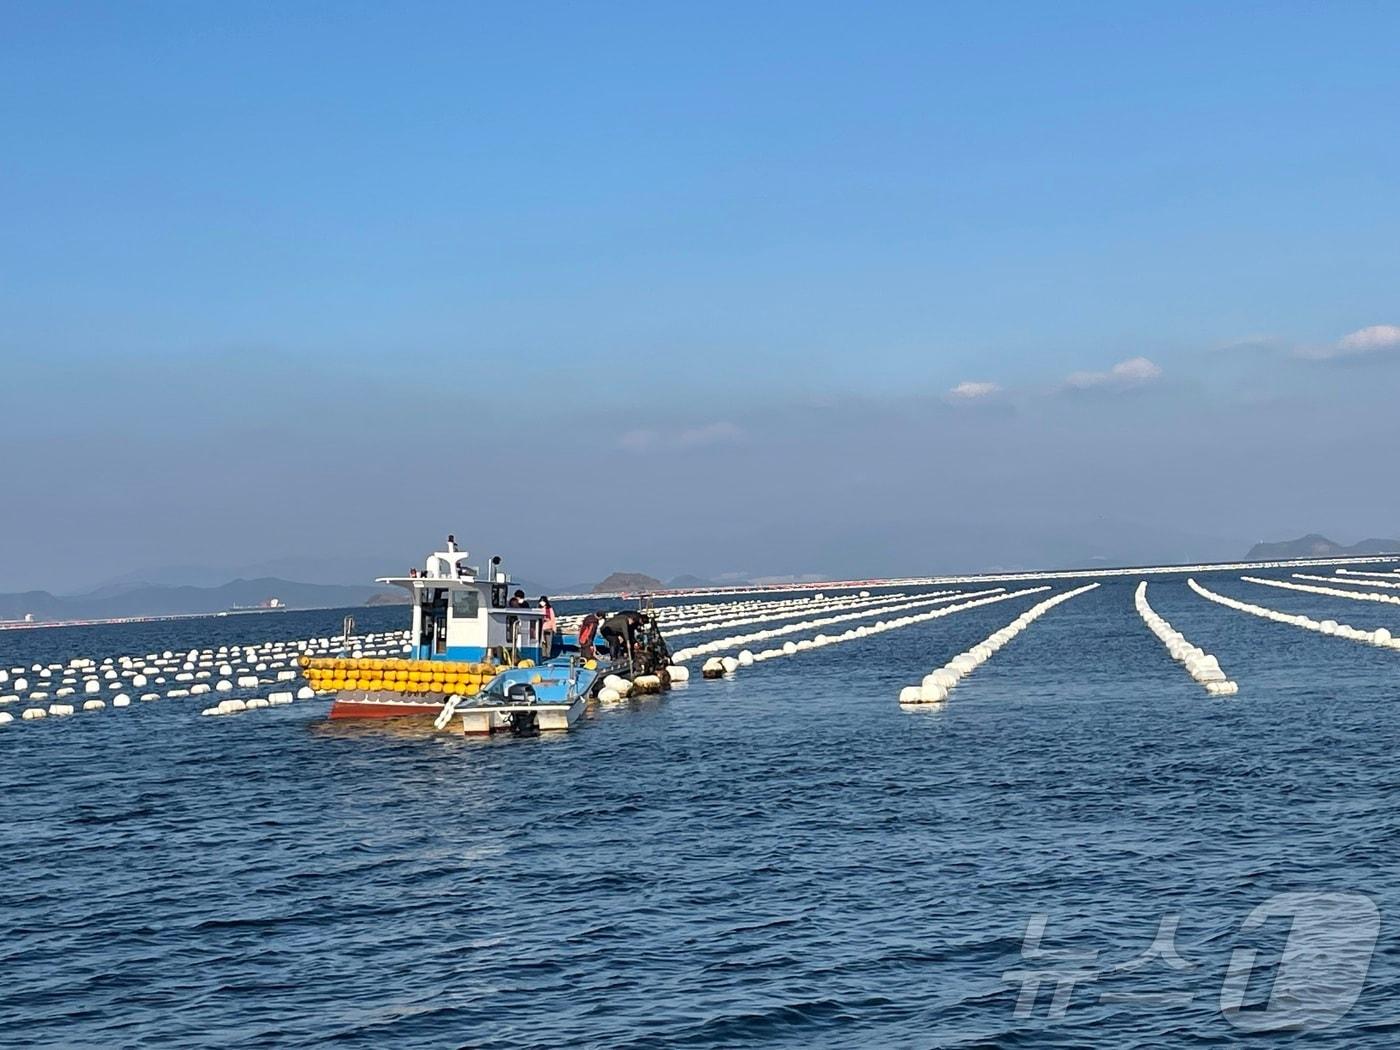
point(1135, 371)
point(972, 390)
point(705, 435)
point(1252, 342)
point(1378, 338)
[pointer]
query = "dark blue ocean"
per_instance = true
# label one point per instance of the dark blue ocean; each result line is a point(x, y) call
point(783, 859)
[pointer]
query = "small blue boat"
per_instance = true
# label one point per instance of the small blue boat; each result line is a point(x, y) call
point(526, 701)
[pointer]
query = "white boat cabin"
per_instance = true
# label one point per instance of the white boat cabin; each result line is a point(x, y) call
point(459, 615)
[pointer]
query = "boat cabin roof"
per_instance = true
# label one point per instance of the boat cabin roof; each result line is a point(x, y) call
point(448, 570)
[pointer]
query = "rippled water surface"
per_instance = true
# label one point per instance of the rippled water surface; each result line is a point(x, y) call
point(786, 858)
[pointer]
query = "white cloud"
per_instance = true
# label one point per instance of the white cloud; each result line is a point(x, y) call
point(1135, 371)
point(1377, 338)
point(721, 433)
point(971, 390)
point(705, 435)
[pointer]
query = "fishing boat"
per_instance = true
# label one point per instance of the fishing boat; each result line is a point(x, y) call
point(525, 701)
point(476, 662)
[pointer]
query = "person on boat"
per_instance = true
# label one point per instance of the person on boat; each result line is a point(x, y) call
point(547, 626)
point(517, 600)
point(587, 633)
point(617, 632)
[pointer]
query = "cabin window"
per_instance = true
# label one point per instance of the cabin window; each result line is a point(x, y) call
point(465, 604)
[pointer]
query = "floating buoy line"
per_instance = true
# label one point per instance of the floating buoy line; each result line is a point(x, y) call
point(1332, 592)
point(684, 655)
point(1380, 636)
point(1392, 584)
point(47, 688)
point(1393, 574)
point(702, 626)
point(673, 616)
point(718, 667)
point(837, 611)
point(936, 685)
point(1199, 664)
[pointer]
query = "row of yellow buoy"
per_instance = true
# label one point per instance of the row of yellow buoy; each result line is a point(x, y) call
point(434, 668)
point(332, 681)
point(332, 674)
point(398, 676)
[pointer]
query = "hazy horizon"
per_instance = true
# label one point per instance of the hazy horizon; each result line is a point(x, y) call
point(778, 291)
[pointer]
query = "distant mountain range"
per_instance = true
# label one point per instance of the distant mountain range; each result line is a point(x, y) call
point(1315, 546)
point(130, 598)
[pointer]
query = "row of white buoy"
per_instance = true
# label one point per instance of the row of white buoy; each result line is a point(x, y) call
point(1199, 664)
point(672, 614)
point(1393, 574)
point(936, 685)
point(1392, 584)
point(717, 667)
point(1380, 636)
point(685, 617)
point(666, 614)
point(815, 601)
point(1332, 592)
point(192, 673)
point(736, 640)
point(671, 617)
point(788, 614)
point(278, 699)
point(615, 687)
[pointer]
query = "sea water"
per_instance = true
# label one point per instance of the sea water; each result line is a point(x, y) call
point(1079, 848)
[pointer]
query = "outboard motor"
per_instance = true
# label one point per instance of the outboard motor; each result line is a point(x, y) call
point(522, 723)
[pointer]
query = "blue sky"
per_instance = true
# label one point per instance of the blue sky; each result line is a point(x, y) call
point(825, 287)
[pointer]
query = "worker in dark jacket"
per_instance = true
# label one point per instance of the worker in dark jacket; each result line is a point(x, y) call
point(617, 631)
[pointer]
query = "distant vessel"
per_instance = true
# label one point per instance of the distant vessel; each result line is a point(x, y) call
point(271, 605)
